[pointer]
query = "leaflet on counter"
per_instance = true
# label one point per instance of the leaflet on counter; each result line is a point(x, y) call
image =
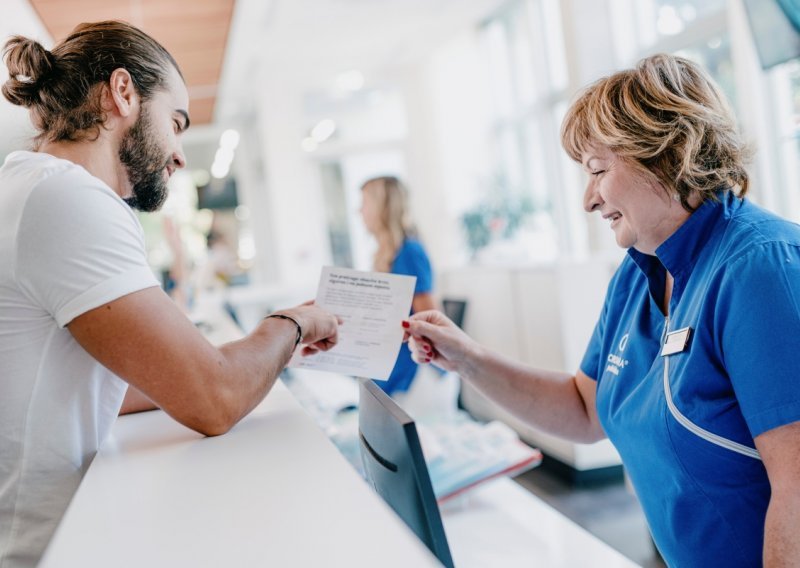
point(372, 306)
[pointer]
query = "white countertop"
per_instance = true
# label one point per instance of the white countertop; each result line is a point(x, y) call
point(273, 491)
point(502, 524)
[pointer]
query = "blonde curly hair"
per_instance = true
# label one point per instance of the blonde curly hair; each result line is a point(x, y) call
point(668, 119)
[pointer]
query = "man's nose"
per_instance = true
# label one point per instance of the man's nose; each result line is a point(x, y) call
point(179, 159)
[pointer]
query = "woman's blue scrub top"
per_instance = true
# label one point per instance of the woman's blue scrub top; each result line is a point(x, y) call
point(736, 270)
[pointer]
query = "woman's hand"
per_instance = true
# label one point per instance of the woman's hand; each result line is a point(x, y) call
point(433, 338)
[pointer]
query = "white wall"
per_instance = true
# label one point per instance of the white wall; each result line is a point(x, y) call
point(293, 204)
point(18, 18)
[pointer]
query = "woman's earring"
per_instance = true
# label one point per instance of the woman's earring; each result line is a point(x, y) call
point(676, 196)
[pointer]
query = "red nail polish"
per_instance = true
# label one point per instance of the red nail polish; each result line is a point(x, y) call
point(406, 324)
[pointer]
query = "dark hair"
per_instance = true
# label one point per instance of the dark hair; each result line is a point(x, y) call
point(62, 87)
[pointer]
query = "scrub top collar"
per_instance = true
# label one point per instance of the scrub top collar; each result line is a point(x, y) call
point(680, 251)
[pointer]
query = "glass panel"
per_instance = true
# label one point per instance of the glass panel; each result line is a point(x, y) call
point(664, 18)
point(785, 80)
point(793, 71)
point(522, 53)
point(554, 42)
point(510, 159)
point(336, 213)
point(499, 68)
point(574, 237)
point(525, 45)
point(536, 166)
point(714, 55)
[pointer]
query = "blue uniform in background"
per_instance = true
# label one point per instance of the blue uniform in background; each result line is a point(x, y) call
point(736, 272)
point(411, 260)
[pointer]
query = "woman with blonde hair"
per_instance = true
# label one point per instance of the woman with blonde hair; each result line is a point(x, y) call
point(384, 210)
point(692, 370)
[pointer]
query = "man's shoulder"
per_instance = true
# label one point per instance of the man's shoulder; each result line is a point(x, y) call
point(60, 187)
point(29, 168)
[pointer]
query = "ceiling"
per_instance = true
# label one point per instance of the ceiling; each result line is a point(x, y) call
point(195, 32)
point(223, 46)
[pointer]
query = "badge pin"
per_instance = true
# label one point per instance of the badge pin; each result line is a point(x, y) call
point(676, 341)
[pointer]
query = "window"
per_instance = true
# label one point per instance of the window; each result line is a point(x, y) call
point(784, 85)
point(525, 49)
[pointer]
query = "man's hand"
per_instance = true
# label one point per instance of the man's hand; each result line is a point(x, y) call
point(319, 327)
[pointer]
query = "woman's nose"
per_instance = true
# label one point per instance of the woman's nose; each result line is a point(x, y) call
point(591, 198)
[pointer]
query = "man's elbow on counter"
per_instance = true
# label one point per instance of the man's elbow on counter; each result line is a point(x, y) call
point(212, 425)
point(215, 416)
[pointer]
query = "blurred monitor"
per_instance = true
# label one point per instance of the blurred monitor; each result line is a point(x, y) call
point(394, 465)
point(776, 29)
point(218, 194)
point(455, 310)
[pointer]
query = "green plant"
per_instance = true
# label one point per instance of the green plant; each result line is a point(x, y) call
point(497, 217)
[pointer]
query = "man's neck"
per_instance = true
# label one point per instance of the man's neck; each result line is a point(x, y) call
point(98, 157)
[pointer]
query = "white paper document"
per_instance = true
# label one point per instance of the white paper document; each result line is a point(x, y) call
point(372, 306)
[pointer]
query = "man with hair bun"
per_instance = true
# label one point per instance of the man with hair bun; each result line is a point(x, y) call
point(85, 331)
point(692, 371)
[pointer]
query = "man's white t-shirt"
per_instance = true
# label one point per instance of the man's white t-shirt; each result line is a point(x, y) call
point(68, 244)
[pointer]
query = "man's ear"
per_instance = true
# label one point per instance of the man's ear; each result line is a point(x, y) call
point(123, 99)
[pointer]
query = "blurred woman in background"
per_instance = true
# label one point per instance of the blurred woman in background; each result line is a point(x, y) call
point(385, 212)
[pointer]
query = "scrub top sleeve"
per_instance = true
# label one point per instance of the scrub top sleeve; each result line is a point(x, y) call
point(592, 358)
point(413, 260)
point(758, 315)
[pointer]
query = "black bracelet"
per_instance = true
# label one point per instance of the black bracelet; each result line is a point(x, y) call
point(294, 321)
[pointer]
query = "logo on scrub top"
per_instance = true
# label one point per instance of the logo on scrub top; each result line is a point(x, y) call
point(615, 362)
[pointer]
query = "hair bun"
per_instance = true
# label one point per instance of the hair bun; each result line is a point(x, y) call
point(28, 63)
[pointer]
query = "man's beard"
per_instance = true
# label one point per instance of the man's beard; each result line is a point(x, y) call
point(144, 162)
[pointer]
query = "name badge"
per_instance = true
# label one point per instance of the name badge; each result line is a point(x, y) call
point(676, 341)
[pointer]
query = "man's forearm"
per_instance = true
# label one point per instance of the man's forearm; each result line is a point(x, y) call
point(253, 364)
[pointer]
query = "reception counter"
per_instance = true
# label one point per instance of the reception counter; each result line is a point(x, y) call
point(272, 492)
point(275, 491)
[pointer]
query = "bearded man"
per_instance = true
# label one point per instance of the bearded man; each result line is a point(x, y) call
point(81, 313)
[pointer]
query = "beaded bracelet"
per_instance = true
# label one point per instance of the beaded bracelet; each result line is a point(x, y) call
point(294, 321)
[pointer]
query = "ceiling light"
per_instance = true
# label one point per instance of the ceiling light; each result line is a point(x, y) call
point(223, 156)
point(220, 170)
point(669, 23)
point(229, 139)
point(323, 130)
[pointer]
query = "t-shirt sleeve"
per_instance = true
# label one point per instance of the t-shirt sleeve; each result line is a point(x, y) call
point(758, 313)
point(412, 260)
point(78, 247)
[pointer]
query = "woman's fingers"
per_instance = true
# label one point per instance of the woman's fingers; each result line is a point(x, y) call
point(421, 350)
